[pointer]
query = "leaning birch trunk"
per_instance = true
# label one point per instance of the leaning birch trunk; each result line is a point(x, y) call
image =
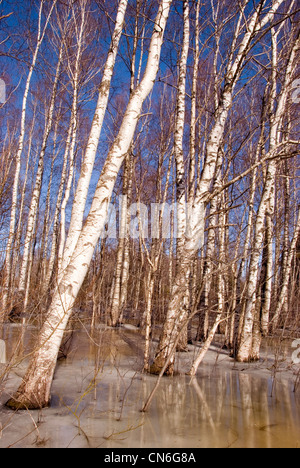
point(91, 150)
point(14, 205)
point(34, 392)
point(205, 346)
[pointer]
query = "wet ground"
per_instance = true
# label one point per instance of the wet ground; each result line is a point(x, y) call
point(98, 392)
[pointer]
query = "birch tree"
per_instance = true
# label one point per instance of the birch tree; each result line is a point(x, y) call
point(58, 242)
point(246, 351)
point(14, 205)
point(120, 281)
point(283, 297)
point(181, 182)
point(119, 286)
point(90, 154)
point(195, 230)
point(32, 217)
point(34, 391)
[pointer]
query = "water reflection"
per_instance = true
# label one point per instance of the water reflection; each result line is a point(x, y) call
point(98, 393)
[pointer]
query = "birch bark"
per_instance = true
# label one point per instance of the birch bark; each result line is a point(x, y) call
point(245, 351)
point(181, 182)
point(287, 275)
point(34, 392)
point(38, 182)
point(176, 314)
point(122, 264)
point(14, 205)
point(90, 154)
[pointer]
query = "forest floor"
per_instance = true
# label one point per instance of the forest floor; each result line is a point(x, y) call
point(99, 390)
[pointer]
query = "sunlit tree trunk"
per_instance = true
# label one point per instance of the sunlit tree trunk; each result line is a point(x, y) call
point(250, 223)
point(34, 392)
point(119, 293)
point(284, 292)
point(59, 228)
point(90, 154)
point(18, 235)
point(177, 314)
point(245, 351)
point(42, 264)
point(181, 181)
point(14, 205)
point(34, 205)
point(155, 256)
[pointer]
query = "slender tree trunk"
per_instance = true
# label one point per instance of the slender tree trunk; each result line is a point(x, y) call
point(120, 283)
point(177, 313)
point(267, 281)
point(287, 276)
point(181, 182)
point(21, 207)
point(205, 346)
point(14, 205)
point(90, 154)
point(38, 183)
point(245, 346)
point(43, 260)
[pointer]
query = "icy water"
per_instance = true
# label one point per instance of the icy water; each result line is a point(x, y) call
point(98, 393)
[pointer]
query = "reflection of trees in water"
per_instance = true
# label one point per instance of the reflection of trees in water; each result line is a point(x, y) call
point(216, 409)
point(226, 409)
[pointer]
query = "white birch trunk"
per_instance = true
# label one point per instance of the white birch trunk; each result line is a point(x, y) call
point(179, 133)
point(156, 249)
point(195, 230)
point(58, 208)
point(245, 346)
point(34, 391)
point(267, 287)
point(268, 280)
point(14, 205)
point(287, 275)
point(69, 156)
point(205, 347)
point(90, 154)
point(117, 283)
point(38, 183)
point(126, 254)
point(181, 182)
point(176, 314)
point(42, 266)
point(17, 242)
point(192, 168)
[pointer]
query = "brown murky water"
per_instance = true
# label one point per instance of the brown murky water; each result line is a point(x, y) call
point(98, 393)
